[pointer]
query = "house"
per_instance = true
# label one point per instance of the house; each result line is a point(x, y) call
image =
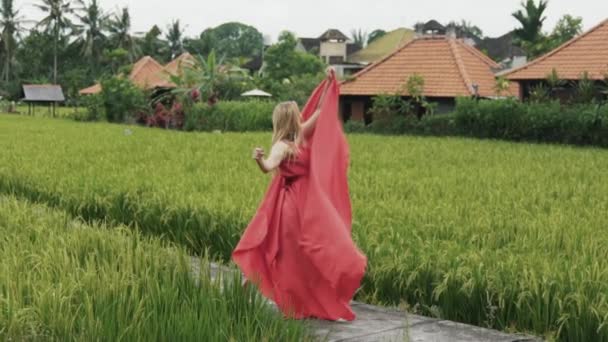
point(148, 74)
point(176, 66)
point(587, 53)
point(504, 50)
point(333, 47)
point(382, 46)
point(431, 27)
point(450, 68)
point(49, 94)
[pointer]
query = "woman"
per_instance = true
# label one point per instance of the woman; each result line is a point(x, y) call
point(298, 247)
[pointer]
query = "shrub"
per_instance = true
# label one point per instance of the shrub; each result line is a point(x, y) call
point(352, 126)
point(94, 109)
point(581, 124)
point(235, 116)
point(122, 100)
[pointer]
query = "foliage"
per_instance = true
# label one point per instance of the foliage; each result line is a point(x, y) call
point(174, 117)
point(284, 62)
point(153, 45)
point(65, 280)
point(531, 18)
point(386, 107)
point(122, 100)
point(502, 86)
point(359, 38)
point(467, 29)
point(231, 40)
point(209, 79)
point(375, 35)
point(540, 93)
point(175, 38)
point(231, 116)
point(554, 81)
point(484, 232)
point(586, 90)
point(93, 24)
point(11, 27)
point(94, 109)
point(59, 18)
point(297, 88)
point(390, 110)
point(566, 28)
point(119, 26)
point(541, 121)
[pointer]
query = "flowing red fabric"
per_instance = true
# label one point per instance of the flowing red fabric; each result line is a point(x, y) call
point(298, 247)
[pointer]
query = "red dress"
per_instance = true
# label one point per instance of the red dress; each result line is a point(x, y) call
point(298, 248)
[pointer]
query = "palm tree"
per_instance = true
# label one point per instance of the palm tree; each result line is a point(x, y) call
point(359, 38)
point(120, 29)
point(11, 25)
point(531, 19)
point(57, 20)
point(94, 22)
point(204, 78)
point(175, 37)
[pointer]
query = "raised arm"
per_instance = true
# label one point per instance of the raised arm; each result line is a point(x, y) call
point(277, 153)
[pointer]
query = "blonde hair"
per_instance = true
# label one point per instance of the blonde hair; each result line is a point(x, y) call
point(286, 125)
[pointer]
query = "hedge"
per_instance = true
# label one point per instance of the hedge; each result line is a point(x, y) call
point(509, 119)
point(234, 116)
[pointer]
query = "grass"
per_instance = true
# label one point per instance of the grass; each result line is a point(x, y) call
point(503, 235)
point(64, 280)
point(44, 111)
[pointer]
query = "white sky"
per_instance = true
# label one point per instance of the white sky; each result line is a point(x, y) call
point(310, 18)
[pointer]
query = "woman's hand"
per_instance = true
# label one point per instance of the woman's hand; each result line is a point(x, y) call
point(258, 154)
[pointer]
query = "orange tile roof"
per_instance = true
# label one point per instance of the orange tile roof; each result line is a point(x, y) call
point(449, 67)
point(94, 89)
point(147, 73)
point(184, 60)
point(587, 52)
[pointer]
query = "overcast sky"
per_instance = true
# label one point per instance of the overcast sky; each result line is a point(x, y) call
point(309, 18)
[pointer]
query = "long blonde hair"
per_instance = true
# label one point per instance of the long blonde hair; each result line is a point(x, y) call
point(286, 124)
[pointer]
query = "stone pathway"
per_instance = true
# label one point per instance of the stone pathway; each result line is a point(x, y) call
point(381, 324)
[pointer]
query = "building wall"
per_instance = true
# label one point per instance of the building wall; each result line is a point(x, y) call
point(332, 49)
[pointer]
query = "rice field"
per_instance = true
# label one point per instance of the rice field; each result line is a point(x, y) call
point(63, 280)
point(502, 235)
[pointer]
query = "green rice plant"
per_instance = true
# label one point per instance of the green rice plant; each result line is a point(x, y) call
point(63, 280)
point(504, 235)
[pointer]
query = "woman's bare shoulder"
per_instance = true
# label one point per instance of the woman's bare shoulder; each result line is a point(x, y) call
point(280, 147)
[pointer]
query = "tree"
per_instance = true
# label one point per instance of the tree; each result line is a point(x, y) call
point(11, 25)
point(57, 20)
point(206, 78)
point(93, 24)
point(466, 28)
point(531, 19)
point(375, 35)
point(284, 62)
point(120, 34)
point(232, 40)
point(152, 45)
point(359, 37)
point(566, 28)
point(175, 37)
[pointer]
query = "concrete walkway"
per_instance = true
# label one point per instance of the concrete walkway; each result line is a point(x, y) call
point(381, 324)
